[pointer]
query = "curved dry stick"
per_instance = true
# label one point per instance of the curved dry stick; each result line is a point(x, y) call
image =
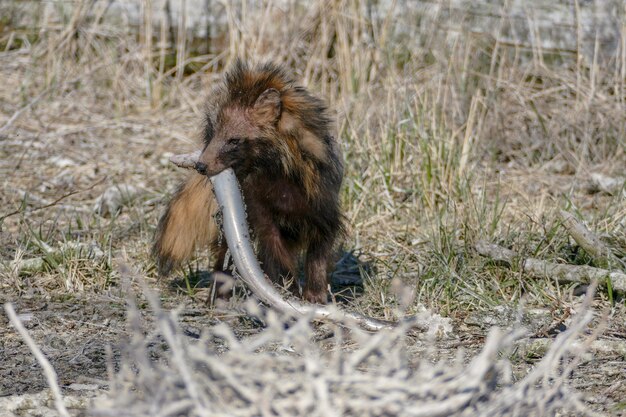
point(228, 195)
point(235, 226)
point(48, 370)
point(586, 239)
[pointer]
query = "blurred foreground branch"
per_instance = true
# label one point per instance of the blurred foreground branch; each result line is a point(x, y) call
point(281, 368)
point(49, 372)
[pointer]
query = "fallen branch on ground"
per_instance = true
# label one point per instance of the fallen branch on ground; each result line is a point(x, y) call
point(563, 273)
point(46, 205)
point(537, 348)
point(602, 255)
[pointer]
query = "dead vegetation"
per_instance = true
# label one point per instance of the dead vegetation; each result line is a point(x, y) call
point(279, 372)
point(451, 136)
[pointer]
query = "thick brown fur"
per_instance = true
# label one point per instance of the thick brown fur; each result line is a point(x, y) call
point(277, 137)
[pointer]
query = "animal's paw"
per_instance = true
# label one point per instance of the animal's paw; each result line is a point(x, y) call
point(315, 297)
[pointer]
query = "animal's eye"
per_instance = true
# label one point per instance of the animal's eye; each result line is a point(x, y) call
point(234, 141)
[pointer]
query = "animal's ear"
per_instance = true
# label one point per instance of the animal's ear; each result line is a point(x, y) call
point(267, 107)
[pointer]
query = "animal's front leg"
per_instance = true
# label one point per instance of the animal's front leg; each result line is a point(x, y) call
point(278, 257)
point(221, 270)
point(316, 278)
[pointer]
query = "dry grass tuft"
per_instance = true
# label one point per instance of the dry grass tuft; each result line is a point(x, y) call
point(278, 371)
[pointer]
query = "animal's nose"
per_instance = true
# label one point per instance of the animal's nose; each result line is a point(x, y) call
point(201, 167)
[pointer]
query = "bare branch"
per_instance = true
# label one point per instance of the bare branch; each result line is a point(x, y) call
point(563, 273)
point(55, 202)
point(248, 374)
point(187, 160)
point(602, 255)
point(48, 370)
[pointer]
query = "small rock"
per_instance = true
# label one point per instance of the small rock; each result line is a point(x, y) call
point(165, 158)
point(83, 387)
point(89, 250)
point(114, 198)
point(610, 185)
point(559, 166)
point(61, 161)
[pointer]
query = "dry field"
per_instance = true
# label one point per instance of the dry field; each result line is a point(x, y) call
point(453, 138)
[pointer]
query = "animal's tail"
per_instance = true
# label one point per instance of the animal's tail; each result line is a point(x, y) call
point(186, 224)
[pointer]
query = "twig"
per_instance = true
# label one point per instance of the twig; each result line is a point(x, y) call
point(187, 160)
point(563, 273)
point(17, 113)
point(602, 255)
point(539, 347)
point(55, 202)
point(50, 374)
point(169, 329)
point(253, 375)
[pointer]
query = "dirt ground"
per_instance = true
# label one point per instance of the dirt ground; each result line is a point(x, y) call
point(85, 338)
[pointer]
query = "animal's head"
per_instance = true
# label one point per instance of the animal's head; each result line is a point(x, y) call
point(263, 123)
point(241, 134)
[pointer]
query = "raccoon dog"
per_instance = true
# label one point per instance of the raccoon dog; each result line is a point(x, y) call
point(277, 138)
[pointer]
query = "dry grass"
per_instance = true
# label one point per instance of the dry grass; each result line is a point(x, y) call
point(449, 135)
point(347, 373)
